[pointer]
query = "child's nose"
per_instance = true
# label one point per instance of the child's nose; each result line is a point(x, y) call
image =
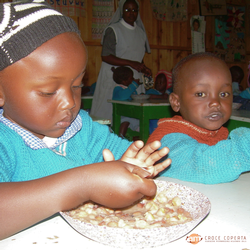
point(68, 100)
point(214, 101)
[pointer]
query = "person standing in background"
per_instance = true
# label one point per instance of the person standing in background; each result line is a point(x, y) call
point(124, 44)
point(196, 25)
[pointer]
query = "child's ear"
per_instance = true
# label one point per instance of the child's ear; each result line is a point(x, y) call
point(2, 99)
point(174, 102)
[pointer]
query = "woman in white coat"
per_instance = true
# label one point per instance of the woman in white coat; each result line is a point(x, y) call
point(124, 44)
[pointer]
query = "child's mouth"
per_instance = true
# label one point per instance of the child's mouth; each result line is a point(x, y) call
point(215, 116)
point(64, 123)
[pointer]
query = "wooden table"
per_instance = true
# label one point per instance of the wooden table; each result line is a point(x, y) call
point(143, 110)
point(226, 227)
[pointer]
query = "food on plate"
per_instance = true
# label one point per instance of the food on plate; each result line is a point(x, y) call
point(194, 202)
point(159, 211)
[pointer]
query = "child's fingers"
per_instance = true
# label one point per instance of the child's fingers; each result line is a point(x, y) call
point(155, 170)
point(140, 172)
point(148, 187)
point(148, 150)
point(133, 149)
point(161, 166)
point(107, 155)
point(156, 156)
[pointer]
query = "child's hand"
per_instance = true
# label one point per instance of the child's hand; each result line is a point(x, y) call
point(113, 184)
point(144, 157)
point(117, 184)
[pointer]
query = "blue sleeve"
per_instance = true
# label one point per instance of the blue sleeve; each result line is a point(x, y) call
point(245, 94)
point(169, 91)
point(120, 94)
point(92, 88)
point(7, 163)
point(152, 92)
point(198, 162)
point(97, 137)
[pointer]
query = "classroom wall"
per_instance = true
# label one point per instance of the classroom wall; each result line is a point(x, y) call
point(169, 41)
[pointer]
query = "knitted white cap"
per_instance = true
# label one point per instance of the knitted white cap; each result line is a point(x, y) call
point(26, 25)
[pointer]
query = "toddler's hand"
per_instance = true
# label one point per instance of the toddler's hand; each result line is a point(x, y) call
point(144, 157)
point(117, 184)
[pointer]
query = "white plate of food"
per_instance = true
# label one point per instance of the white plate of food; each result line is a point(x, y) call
point(140, 97)
point(173, 213)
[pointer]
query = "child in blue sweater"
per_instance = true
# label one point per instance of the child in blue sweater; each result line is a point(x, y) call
point(201, 149)
point(162, 89)
point(52, 154)
point(126, 86)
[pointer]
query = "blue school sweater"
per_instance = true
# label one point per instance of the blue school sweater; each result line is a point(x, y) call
point(197, 162)
point(19, 162)
point(123, 93)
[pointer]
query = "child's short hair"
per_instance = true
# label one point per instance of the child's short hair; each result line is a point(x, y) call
point(26, 25)
point(121, 74)
point(182, 62)
point(237, 73)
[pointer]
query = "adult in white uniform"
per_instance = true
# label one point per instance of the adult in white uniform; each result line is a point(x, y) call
point(124, 44)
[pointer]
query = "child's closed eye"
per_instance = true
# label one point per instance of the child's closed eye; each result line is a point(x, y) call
point(50, 94)
point(47, 94)
point(78, 86)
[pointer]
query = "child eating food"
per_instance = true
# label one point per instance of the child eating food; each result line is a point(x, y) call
point(126, 86)
point(162, 87)
point(52, 153)
point(201, 149)
point(161, 90)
